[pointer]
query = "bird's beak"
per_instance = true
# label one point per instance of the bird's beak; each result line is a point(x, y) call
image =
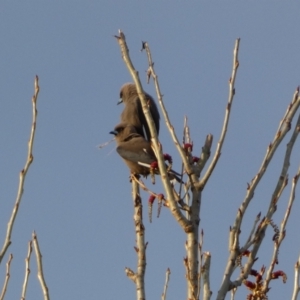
point(120, 101)
point(114, 132)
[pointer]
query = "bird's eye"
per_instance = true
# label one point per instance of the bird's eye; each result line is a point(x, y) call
point(121, 95)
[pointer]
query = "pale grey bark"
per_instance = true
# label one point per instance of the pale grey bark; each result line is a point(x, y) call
point(190, 201)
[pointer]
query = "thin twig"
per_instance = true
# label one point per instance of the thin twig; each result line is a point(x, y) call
point(6, 277)
point(235, 230)
point(188, 168)
point(23, 173)
point(205, 154)
point(27, 270)
point(164, 294)
point(39, 262)
point(251, 235)
point(130, 274)
point(227, 115)
point(281, 233)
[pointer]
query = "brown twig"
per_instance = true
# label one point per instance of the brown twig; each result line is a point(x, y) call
point(23, 173)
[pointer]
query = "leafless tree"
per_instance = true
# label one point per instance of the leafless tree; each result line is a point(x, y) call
point(185, 203)
point(34, 241)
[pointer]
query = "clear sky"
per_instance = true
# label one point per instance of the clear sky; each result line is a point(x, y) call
point(77, 197)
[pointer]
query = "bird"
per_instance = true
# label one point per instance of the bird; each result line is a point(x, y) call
point(133, 111)
point(136, 151)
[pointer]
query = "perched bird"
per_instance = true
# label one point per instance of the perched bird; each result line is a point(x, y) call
point(133, 111)
point(136, 151)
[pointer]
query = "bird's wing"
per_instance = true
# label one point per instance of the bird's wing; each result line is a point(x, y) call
point(134, 156)
point(136, 150)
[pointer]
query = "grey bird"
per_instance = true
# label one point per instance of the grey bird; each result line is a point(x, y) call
point(136, 151)
point(133, 111)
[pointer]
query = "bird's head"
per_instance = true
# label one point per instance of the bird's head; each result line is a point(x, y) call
point(122, 131)
point(127, 91)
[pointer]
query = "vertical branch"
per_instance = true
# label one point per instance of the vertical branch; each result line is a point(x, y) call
point(40, 274)
point(205, 270)
point(140, 248)
point(296, 280)
point(27, 270)
point(164, 294)
point(23, 173)
point(140, 241)
point(227, 115)
point(6, 277)
point(192, 246)
point(200, 255)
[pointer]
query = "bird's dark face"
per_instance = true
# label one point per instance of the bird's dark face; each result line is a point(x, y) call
point(121, 97)
point(122, 131)
point(117, 131)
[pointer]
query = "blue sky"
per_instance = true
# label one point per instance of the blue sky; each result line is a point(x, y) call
point(77, 197)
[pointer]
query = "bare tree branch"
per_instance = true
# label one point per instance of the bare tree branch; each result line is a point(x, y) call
point(6, 277)
point(296, 280)
point(180, 150)
point(138, 277)
point(205, 271)
point(157, 147)
point(235, 250)
point(164, 294)
point(39, 262)
point(27, 270)
point(227, 115)
point(23, 173)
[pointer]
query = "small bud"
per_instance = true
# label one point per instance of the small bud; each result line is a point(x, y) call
point(195, 159)
point(279, 273)
point(246, 253)
point(168, 158)
point(249, 284)
point(154, 165)
point(151, 199)
point(188, 147)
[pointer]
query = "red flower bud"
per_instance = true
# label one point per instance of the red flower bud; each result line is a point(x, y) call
point(151, 199)
point(188, 147)
point(168, 158)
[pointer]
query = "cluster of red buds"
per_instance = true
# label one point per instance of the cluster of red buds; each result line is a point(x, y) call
point(168, 158)
point(188, 147)
point(195, 159)
point(256, 287)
